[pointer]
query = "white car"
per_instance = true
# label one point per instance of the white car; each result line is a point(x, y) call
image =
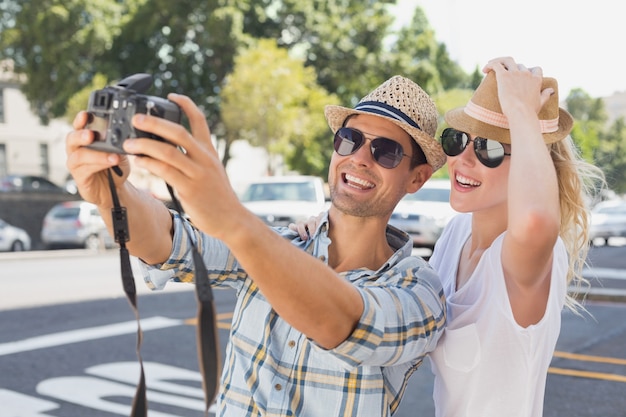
point(12, 238)
point(281, 200)
point(425, 213)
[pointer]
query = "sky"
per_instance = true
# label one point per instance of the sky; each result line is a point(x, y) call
point(580, 43)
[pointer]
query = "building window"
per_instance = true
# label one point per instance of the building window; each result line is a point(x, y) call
point(44, 160)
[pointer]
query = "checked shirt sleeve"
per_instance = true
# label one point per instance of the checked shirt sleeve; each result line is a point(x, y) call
point(221, 265)
point(403, 317)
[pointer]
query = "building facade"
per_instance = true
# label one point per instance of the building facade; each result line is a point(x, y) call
point(26, 145)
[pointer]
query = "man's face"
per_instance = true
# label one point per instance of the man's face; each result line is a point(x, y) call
point(359, 185)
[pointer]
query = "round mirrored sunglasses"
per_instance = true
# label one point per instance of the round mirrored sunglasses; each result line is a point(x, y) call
point(489, 152)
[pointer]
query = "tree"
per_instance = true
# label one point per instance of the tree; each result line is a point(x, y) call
point(611, 155)
point(589, 121)
point(417, 55)
point(342, 39)
point(55, 43)
point(80, 99)
point(189, 47)
point(273, 101)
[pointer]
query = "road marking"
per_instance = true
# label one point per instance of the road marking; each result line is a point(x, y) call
point(589, 358)
point(220, 325)
point(588, 374)
point(82, 335)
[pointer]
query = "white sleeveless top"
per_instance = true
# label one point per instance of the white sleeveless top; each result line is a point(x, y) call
point(485, 364)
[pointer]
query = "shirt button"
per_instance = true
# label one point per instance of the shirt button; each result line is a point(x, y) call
point(291, 343)
point(322, 258)
point(278, 387)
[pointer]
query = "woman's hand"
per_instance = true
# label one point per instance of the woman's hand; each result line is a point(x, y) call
point(304, 227)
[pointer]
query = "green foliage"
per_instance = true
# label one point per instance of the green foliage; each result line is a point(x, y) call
point(80, 99)
point(342, 39)
point(585, 108)
point(273, 101)
point(599, 145)
point(417, 55)
point(56, 42)
point(610, 155)
point(346, 46)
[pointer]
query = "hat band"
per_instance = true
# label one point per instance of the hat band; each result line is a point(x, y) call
point(382, 109)
point(499, 120)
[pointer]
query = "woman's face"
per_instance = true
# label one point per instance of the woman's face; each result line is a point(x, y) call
point(476, 187)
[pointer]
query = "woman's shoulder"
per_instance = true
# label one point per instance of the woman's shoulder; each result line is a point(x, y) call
point(459, 224)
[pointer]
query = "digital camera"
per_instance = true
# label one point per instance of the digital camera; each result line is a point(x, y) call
point(113, 107)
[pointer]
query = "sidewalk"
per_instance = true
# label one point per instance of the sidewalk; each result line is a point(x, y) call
point(605, 284)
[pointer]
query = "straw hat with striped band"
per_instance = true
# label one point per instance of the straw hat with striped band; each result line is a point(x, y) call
point(404, 103)
point(483, 117)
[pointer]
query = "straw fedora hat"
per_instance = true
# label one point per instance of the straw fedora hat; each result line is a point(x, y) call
point(483, 117)
point(404, 103)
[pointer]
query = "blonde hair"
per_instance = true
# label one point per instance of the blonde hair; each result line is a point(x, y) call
point(579, 183)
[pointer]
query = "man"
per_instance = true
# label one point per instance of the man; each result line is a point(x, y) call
point(327, 327)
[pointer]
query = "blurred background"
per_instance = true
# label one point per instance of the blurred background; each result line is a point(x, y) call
point(263, 70)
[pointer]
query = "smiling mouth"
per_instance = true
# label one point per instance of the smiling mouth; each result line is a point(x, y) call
point(466, 182)
point(357, 183)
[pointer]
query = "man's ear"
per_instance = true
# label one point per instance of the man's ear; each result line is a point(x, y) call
point(420, 175)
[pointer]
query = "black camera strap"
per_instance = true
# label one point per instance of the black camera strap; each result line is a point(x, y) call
point(121, 235)
point(207, 337)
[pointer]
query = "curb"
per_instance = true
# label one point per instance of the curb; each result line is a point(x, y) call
point(600, 293)
point(55, 253)
point(592, 293)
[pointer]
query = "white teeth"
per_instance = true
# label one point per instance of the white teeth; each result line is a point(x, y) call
point(466, 181)
point(358, 181)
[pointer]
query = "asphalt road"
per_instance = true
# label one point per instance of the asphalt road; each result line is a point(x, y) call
point(68, 336)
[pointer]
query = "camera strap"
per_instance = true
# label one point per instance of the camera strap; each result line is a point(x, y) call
point(207, 337)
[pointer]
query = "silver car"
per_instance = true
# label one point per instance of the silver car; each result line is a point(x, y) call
point(608, 219)
point(75, 224)
point(425, 213)
point(13, 238)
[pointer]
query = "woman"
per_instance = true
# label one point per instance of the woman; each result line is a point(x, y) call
point(507, 261)
point(506, 264)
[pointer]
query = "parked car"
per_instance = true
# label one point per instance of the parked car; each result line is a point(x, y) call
point(425, 213)
point(281, 200)
point(608, 219)
point(75, 224)
point(12, 238)
point(29, 183)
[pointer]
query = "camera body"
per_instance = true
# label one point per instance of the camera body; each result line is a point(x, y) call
point(113, 107)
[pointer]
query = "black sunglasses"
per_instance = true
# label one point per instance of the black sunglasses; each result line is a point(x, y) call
point(488, 151)
point(386, 152)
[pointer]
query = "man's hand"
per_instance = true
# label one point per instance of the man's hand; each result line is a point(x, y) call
point(89, 167)
point(197, 173)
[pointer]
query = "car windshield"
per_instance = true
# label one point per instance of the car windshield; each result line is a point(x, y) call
point(65, 213)
point(429, 194)
point(291, 191)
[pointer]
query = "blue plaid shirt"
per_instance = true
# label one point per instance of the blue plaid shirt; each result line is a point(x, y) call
point(271, 369)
